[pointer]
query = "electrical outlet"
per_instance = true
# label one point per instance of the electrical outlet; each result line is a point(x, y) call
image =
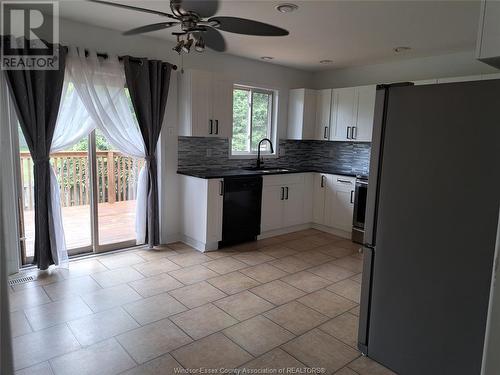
point(209, 152)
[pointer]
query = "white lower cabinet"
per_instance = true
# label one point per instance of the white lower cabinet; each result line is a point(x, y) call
point(201, 208)
point(333, 201)
point(286, 201)
point(340, 202)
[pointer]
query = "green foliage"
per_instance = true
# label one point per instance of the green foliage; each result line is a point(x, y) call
point(261, 105)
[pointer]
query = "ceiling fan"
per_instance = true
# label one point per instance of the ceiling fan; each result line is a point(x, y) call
point(198, 26)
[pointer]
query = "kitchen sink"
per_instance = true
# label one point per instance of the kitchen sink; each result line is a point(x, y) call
point(269, 170)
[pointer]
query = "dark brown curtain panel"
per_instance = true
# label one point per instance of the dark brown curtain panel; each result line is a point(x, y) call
point(36, 95)
point(148, 82)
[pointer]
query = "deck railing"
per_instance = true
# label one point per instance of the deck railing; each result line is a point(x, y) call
point(116, 180)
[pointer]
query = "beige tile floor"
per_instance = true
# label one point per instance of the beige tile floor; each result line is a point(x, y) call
point(286, 301)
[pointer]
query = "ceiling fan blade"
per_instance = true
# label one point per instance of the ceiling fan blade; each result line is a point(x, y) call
point(130, 7)
point(213, 39)
point(150, 28)
point(204, 8)
point(247, 27)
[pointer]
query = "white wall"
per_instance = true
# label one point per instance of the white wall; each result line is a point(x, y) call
point(449, 65)
point(239, 69)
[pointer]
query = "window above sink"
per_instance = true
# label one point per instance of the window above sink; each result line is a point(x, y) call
point(254, 118)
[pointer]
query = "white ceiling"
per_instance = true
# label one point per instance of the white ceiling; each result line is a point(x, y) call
point(347, 32)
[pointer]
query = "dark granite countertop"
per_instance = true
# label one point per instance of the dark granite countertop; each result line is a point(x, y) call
point(221, 173)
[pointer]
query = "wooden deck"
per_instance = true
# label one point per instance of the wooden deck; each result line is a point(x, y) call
point(116, 224)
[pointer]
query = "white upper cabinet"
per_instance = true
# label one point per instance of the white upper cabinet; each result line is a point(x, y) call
point(205, 105)
point(323, 114)
point(459, 79)
point(488, 43)
point(366, 109)
point(352, 115)
point(301, 114)
point(344, 117)
point(425, 82)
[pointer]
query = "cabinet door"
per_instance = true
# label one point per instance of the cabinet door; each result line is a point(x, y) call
point(341, 205)
point(366, 108)
point(425, 82)
point(323, 109)
point(459, 79)
point(215, 202)
point(201, 103)
point(320, 185)
point(222, 108)
point(272, 208)
point(345, 113)
point(293, 208)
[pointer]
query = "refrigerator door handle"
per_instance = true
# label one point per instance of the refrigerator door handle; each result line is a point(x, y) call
point(365, 299)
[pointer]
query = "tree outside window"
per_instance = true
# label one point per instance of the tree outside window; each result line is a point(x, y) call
point(252, 119)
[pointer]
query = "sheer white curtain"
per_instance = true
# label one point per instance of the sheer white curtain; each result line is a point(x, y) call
point(100, 84)
point(73, 123)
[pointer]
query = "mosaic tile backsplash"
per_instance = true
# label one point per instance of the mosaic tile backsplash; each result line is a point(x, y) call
point(341, 157)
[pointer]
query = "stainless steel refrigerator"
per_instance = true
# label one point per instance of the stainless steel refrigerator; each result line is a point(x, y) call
point(431, 226)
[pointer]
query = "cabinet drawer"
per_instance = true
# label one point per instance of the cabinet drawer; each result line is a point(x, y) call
point(283, 179)
point(346, 181)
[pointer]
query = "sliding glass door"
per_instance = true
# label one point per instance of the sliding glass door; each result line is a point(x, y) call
point(98, 189)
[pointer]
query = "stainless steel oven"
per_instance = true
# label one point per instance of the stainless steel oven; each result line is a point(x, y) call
point(358, 219)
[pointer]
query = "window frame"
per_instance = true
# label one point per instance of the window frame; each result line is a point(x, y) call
point(271, 127)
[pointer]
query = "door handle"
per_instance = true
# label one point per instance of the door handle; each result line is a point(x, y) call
point(325, 132)
point(343, 181)
point(322, 181)
point(348, 132)
point(352, 194)
point(210, 131)
point(221, 191)
point(282, 193)
point(216, 126)
point(354, 132)
point(286, 193)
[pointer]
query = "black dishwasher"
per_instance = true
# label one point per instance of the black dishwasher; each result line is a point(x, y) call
point(241, 210)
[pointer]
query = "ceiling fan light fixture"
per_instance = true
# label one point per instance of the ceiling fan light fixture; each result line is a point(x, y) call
point(267, 58)
point(179, 47)
point(186, 46)
point(199, 46)
point(286, 8)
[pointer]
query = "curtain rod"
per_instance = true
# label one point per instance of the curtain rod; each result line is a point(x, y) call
point(105, 56)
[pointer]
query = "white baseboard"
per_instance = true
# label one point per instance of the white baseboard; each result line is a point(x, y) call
point(334, 231)
point(211, 246)
point(200, 246)
point(286, 230)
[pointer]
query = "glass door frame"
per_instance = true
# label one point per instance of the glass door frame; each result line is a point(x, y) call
point(95, 247)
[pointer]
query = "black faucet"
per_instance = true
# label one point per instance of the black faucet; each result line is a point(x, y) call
point(259, 162)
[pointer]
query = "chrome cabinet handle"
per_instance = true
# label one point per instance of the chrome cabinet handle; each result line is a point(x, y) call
point(348, 132)
point(286, 193)
point(354, 132)
point(343, 181)
point(211, 123)
point(352, 193)
point(322, 181)
point(325, 132)
point(282, 193)
point(216, 126)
